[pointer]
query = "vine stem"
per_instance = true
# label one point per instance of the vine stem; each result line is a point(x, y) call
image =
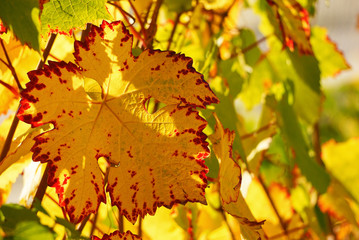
point(143, 29)
point(152, 29)
point(11, 88)
point(133, 30)
point(265, 127)
point(177, 20)
point(10, 66)
point(139, 227)
point(83, 223)
point(289, 231)
point(43, 183)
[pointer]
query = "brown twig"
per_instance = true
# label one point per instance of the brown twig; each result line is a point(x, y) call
point(42, 187)
point(152, 29)
point(47, 50)
point(139, 232)
point(43, 183)
point(10, 66)
point(265, 127)
point(11, 88)
point(83, 224)
point(288, 231)
point(9, 138)
point(132, 29)
point(86, 32)
point(173, 30)
point(143, 29)
point(120, 223)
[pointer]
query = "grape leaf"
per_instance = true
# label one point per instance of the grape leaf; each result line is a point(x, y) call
point(117, 235)
point(341, 160)
point(230, 180)
point(292, 133)
point(22, 17)
point(64, 15)
point(331, 60)
point(337, 202)
point(250, 228)
point(291, 22)
point(22, 223)
point(229, 171)
point(155, 159)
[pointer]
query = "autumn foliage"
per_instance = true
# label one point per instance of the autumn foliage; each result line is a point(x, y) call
point(134, 120)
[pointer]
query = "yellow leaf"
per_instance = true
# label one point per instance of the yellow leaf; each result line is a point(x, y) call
point(337, 203)
point(155, 159)
point(230, 181)
point(341, 159)
point(250, 228)
point(229, 170)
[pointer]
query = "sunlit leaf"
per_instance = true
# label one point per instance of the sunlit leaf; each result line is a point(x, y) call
point(169, 222)
point(250, 228)
point(229, 171)
point(64, 15)
point(337, 202)
point(341, 160)
point(155, 159)
point(331, 59)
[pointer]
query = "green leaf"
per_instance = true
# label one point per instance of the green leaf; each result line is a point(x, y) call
point(213, 165)
point(291, 130)
point(306, 79)
point(64, 15)
point(32, 231)
point(331, 60)
point(22, 223)
point(70, 227)
point(22, 17)
point(15, 214)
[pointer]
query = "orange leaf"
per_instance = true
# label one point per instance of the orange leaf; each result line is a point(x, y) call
point(98, 110)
